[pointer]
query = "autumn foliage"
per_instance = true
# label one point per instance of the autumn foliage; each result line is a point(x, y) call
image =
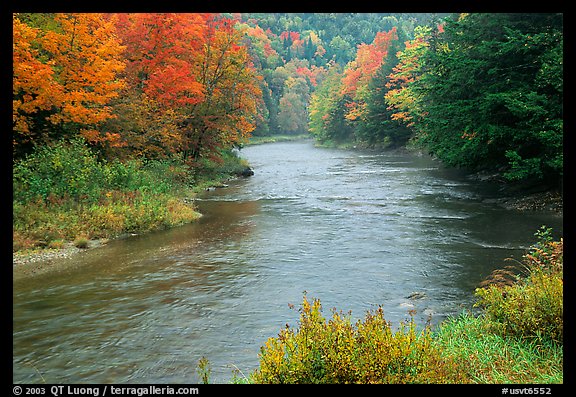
point(338, 350)
point(65, 77)
point(400, 97)
point(477, 90)
point(359, 72)
point(160, 55)
point(342, 107)
point(134, 84)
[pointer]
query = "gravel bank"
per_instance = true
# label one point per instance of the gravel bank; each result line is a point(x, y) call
point(32, 263)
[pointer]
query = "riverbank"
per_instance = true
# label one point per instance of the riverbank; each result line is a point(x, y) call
point(517, 197)
point(535, 196)
point(550, 200)
point(259, 140)
point(34, 262)
point(517, 338)
point(67, 201)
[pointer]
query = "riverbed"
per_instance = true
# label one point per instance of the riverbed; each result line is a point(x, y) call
point(356, 229)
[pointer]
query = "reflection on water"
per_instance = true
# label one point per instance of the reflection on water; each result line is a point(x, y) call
point(355, 229)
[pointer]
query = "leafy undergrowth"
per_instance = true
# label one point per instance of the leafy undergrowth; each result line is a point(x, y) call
point(337, 351)
point(64, 193)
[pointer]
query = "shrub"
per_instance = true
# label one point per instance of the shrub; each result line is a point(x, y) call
point(337, 351)
point(70, 171)
point(81, 242)
point(56, 244)
point(533, 306)
point(105, 220)
point(217, 169)
point(64, 169)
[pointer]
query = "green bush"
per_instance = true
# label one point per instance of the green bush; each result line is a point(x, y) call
point(70, 170)
point(337, 351)
point(218, 169)
point(64, 169)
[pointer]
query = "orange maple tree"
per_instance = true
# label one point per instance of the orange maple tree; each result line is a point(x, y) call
point(232, 89)
point(357, 75)
point(32, 81)
point(192, 72)
point(67, 76)
point(158, 83)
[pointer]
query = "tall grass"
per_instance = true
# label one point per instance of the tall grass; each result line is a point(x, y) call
point(489, 357)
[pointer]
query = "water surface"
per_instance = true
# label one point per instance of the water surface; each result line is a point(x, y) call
point(355, 229)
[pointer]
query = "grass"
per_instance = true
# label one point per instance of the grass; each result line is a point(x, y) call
point(487, 357)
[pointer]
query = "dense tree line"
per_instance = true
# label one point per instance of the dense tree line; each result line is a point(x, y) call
point(482, 91)
point(158, 84)
point(296, 50)
point(492, 90)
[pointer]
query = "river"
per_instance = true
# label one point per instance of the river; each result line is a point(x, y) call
point(356, 229)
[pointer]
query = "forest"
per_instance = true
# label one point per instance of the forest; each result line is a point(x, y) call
point(118, 95)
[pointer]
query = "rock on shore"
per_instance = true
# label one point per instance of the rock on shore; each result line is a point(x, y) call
point(541, 201)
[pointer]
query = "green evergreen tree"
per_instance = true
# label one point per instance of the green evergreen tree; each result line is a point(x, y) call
point(493, 94)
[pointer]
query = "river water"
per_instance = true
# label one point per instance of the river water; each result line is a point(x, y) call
point(355, 229)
